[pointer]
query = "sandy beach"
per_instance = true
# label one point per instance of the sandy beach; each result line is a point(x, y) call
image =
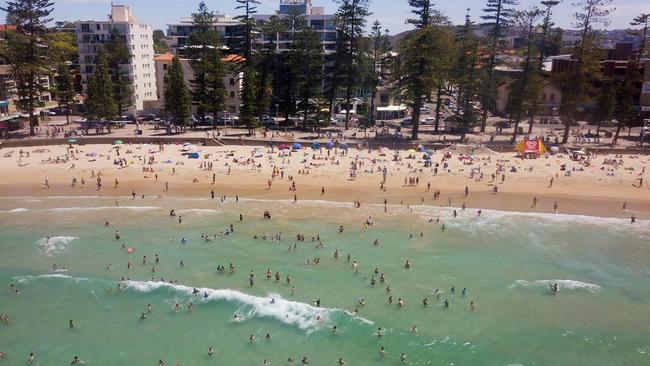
point(597, 185)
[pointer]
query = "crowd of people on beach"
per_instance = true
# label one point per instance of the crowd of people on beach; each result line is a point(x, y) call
point(413, 176)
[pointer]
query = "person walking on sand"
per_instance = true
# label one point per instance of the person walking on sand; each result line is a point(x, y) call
point(555, 207)
point(534, 204)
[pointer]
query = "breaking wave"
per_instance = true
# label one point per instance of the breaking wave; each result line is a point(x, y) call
point(304, 316)
point(562, 284)
point(55, 244)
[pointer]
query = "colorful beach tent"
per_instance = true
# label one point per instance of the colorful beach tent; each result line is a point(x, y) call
point(193, 155)
point(343, 146)
point(315, 145)
point(532, 146)
point(296, 146)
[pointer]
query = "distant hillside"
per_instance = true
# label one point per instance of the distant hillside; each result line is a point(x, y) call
point(394, 40)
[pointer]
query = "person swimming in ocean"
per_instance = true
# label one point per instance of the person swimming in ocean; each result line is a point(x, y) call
point(554, 287)
point(379, 333)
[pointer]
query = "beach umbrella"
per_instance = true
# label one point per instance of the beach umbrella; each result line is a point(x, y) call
point(580, 152)
point(411, 151)
point(72, 141)
point(118, 142)
point(330, 145)
point(315, 145)
point(343, 146)
point(421, 148)
point(296, 146)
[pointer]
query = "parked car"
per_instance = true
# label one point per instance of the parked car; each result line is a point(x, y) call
point(429, 121)
point(59, 111)
point(267, 121)
point(407, 122)
point(225, 121)
point(149, 117)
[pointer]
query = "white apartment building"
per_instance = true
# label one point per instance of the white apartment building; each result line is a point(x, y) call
point(232, 80)
point(140, 70)
point(228, 27)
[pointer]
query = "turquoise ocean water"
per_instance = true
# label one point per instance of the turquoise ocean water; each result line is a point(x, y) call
point(505, 261)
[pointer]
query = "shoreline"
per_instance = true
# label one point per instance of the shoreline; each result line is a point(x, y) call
point(595, 189)
point(510, 202)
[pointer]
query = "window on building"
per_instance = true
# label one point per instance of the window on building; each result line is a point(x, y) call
point(232, 94)
point(552, 98)
point(318, 24)
point(544, 97)
point(99, 27)
point(85, 28)
point(165, 67)
point(383, 99)
point(232, 81)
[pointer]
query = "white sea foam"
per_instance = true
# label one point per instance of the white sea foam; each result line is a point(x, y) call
point(301, 315)
point(200, 211)
point(28, 279)
point(101, 208)
point(304, 316)
point(55, 244)
point(503, 222)
point(563, 285)
point(20, 209)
